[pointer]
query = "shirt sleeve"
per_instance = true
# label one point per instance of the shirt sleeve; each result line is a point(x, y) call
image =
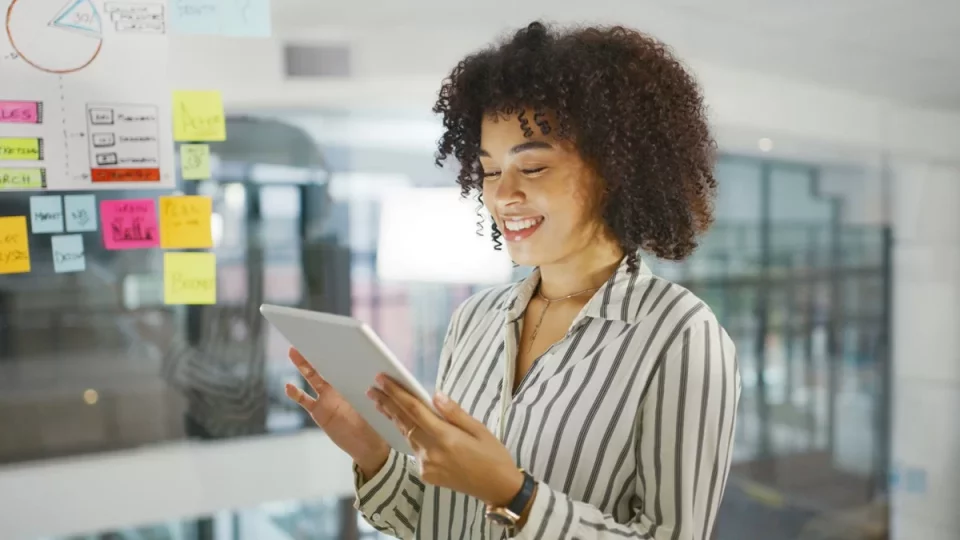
point(684, 447)
point(391, 501)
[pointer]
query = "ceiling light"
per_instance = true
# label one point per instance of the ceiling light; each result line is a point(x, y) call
point(765, 144)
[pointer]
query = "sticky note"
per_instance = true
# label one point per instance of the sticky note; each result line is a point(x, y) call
point(237, 18)
point(195, 161)
point(80, 212)
point(68, 255)
point(14, 245)
point(21, 112)
point(46, 214)
point(189, 278)
point(198, 116)
point(21, 149)
point(185, 222)
point(22, 178)
point(129, 224)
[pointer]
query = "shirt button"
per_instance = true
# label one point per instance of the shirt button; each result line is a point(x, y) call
point(376, 517)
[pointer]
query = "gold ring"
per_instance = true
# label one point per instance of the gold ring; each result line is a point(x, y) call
point(410, 431)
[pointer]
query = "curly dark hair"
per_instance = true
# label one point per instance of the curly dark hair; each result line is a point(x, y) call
point(633, 112)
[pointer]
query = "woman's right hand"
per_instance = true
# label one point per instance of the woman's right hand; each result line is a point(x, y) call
point(346, 428)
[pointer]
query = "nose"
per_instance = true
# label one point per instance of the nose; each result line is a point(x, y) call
point(508, 190)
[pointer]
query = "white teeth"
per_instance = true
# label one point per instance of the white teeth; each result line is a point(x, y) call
point(521, 224)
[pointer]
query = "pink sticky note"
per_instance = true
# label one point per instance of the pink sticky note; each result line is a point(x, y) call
point(129, 224)
point(21, 112)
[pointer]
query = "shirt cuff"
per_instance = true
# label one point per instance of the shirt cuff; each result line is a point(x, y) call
point(375, 492)
point(546, 512)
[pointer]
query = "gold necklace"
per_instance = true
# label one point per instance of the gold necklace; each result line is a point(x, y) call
point(547, 303)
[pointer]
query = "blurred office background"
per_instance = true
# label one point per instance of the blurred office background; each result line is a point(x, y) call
point(834, 264)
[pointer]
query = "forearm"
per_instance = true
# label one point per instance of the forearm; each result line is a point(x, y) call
point(370, 463)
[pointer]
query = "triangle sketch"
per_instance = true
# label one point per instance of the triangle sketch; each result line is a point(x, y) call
point(79, 16)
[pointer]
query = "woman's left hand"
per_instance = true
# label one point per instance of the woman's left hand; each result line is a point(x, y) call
point(456, 451)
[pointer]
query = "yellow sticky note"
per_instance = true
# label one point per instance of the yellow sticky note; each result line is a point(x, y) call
point(198, 116)
point(185, 222)
point(14, 245)
point(21, 149)
point(189, 278)
point(195, 161)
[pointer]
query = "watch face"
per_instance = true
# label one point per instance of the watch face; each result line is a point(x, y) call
point(502, 516)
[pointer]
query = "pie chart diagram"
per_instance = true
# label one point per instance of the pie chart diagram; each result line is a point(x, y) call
point(55, 36)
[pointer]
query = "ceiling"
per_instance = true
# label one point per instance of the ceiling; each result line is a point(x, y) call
point(905, 50)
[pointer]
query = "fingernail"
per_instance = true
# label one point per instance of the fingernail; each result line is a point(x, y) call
point(381, 379)
point(442, 398)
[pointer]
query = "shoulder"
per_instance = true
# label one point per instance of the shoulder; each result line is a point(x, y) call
point(694, 337)
point(677, 315)
point(479, 307)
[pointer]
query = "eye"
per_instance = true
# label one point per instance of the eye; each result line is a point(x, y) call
point(534, 171)
point(491, 174)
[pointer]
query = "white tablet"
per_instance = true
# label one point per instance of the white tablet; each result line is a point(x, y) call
point(349, 355)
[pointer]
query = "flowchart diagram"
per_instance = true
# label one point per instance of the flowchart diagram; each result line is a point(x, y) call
point(84, 97)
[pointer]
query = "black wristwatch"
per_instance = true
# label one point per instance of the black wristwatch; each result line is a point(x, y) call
point(509, 515)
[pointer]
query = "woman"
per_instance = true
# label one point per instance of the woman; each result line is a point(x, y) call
point(592, 399)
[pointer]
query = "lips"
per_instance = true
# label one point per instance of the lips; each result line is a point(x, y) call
point(517, 229)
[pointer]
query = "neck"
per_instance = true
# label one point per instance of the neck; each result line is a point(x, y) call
point(587, 269)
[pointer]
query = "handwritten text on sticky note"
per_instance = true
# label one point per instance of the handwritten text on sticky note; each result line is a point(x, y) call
point(46, 214)
point(198, 116)
point(14, 245)
point(80, 212)
point(21, 112)
point(195, 161)
point(22, 178)
point(21, 149)
point(189, 278)
point(237, 18)
point(185, 222)
point(129, 224)
point(68, 255)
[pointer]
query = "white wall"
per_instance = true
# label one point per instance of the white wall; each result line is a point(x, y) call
point(926, 381)
point(401, 69)
point(398, 67)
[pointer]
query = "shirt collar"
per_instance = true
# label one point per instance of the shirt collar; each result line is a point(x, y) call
point(611, 301)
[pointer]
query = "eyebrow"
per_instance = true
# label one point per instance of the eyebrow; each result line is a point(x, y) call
point(523, 147)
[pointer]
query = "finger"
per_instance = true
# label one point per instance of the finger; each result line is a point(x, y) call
point(306, 369)
point(300, 397)
point(390, 409)
point(455, 414)
point(407, 429)
point(416, 410)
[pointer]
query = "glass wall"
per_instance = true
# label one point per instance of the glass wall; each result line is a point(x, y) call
point(341, 212)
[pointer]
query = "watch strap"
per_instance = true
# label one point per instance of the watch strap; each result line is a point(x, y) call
point(522, 498)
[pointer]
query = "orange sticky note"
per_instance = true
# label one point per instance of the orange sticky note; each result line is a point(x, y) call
point(189, 278)
point(185, 222)
point(14, 245)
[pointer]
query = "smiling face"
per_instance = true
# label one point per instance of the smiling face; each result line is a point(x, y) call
point(541, 194)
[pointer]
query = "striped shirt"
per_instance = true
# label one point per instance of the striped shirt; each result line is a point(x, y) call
point(626, 423)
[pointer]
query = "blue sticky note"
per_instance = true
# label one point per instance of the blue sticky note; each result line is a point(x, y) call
point(237, 18)
point(68, 255)
point(916, 481)
point(46, 214)
point(80, 211)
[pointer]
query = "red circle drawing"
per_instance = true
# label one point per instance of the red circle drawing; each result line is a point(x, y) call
point(36, 64)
